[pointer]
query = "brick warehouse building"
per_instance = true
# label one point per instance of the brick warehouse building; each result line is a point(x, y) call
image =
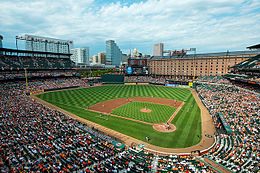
point(192, 66)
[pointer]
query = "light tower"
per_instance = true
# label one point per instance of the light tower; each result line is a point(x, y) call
point(1, 44)
point(1, 41)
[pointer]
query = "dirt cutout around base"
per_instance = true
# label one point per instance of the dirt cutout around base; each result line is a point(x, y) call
point(163, 127)
point(145, 110)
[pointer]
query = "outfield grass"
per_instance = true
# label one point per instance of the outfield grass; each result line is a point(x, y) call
point(187, 121)
point(159, 113)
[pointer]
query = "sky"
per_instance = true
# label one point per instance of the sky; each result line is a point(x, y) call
point(207, 25)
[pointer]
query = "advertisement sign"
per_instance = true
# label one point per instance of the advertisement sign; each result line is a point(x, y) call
point(129, 70)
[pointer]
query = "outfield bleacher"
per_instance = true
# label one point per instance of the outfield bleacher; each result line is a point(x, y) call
point(250, 63)
point(29, 62)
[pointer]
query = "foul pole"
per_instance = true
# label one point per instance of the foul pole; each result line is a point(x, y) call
point(26, 79)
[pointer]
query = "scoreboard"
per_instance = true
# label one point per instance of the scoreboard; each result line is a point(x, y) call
point(136, 67)
point(137, 62)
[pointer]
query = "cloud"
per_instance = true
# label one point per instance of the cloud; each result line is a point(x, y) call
point(207, 25)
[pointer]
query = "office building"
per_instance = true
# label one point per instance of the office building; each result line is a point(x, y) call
point(94, 59)
point(158, 49)
point(113, 53)
point(125, 58)
point(80, 55)
point(101, 58)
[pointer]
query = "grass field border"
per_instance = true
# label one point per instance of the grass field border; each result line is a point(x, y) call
point(79, 111)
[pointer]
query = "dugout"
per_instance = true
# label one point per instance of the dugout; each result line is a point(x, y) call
point(112, 79)
point(224, 123)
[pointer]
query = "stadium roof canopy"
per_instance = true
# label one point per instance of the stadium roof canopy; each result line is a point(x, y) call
point(247, 64)
point(207, 55)
point(257, 46)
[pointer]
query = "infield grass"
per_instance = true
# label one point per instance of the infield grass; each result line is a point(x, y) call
point(187, 121)
point(159, 113)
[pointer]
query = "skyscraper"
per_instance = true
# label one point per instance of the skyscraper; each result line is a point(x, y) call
point(158, 49)
point(125, 58)
point(113, 53)
point(80, 55)
point(94, 59)
point(99, 59)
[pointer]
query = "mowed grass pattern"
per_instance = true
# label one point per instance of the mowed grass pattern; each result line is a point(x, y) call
point(159, 113)
point(187, 121)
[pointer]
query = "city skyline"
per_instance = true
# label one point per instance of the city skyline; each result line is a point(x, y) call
point(209, 26)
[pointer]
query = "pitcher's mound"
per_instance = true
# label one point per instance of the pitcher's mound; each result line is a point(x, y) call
point(163, 127)
point(145, 110)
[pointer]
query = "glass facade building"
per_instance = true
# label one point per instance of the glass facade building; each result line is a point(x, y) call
point(113, 53)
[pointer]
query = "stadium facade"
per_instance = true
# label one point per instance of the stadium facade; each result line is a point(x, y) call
point(113, 53)
point(193, 66)
point(46, 44)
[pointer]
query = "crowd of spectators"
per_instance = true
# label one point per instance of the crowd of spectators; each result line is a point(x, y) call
point(31, 62)
point(36, 74)
point(45, 84)
point(213, 79)
point(35, 138)
point(132, 161)
point(224, 81)
point(240, 150)
point(145, 79)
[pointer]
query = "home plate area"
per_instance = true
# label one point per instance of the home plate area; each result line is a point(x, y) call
point(164, 127)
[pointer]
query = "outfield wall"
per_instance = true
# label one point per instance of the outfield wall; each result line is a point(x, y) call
point(55, 89)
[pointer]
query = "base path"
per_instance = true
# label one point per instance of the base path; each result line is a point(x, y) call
point(175, 113)
point(126, 118)
point(204, 144)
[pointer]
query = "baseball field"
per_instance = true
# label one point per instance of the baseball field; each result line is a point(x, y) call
point(132, 110)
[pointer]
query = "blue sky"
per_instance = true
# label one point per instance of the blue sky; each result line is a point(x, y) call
point(208, 25)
